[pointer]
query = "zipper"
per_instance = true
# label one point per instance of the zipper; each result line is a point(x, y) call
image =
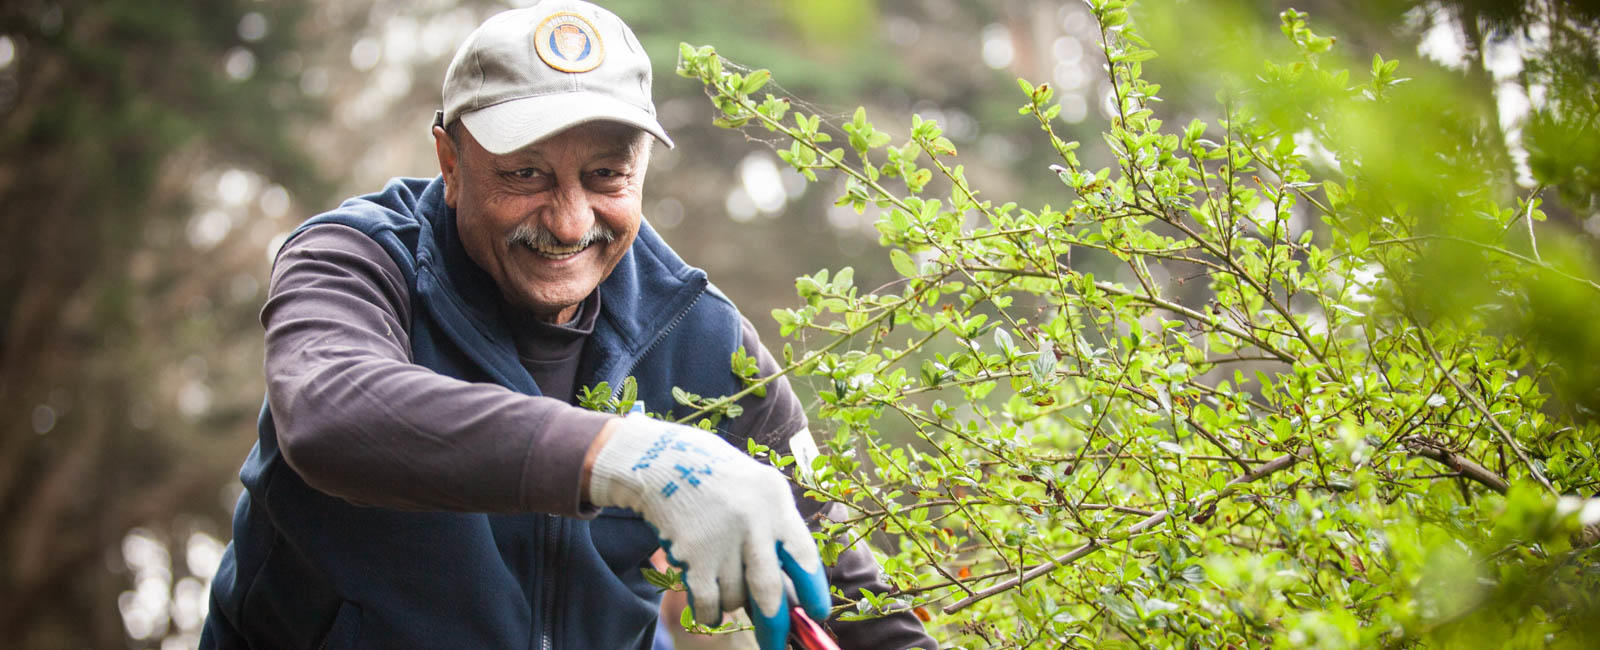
point(616, 390)
point(554, 525)
point(553, 529)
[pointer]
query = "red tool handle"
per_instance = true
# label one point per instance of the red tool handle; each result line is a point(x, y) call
point(806, 634)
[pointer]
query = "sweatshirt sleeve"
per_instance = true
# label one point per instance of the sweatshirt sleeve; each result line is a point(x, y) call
point(773, 421)
point(357, 419)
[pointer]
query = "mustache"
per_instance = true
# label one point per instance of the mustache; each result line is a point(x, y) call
point(533, 237)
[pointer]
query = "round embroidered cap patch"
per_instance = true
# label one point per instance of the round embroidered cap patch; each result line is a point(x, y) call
point(568, 42)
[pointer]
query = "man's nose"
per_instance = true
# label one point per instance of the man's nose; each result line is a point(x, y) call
point(570, 215)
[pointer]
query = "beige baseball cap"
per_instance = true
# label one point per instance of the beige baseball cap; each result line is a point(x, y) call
point(526, 74)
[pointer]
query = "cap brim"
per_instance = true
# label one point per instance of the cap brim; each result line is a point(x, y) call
point(512, 125)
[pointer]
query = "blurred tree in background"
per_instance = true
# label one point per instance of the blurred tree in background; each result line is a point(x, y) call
point(111, 111)
point(151, 153)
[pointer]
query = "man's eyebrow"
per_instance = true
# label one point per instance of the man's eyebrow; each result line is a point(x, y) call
point(625, 150)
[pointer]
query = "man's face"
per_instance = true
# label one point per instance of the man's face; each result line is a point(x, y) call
point(549, 221)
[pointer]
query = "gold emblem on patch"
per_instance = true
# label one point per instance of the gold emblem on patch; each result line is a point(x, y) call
point(568, 42)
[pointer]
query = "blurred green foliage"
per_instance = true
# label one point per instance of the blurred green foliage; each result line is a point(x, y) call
point(1431, 160)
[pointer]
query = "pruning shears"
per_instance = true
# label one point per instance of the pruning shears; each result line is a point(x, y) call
point(806, 634)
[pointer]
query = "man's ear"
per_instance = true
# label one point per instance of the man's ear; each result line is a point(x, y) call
point(449, 164)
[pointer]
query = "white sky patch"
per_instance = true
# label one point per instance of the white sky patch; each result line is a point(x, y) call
point(253, 26)
point(235, 186)
point(207, 229)
point(274, 201)
point(1074, 108)
point(1316, 323)
point(188, 605)
point(759, 177)
point(844, 217)
point(1307, 144)
point(1443, 41)
point(442, 33)
point(1365, 278)
point(1513, 106)
point(1108, 101)
point(274, 244)
point(1069, 75)
point(240, 64)
point(740, 207)
point(1590, 515)
point(667, 213)
point(1075, 19)
point(794, 184)
point(314, 82)
point(997, 148)
point(1067, 49)
point(145, 609)
point(394, 80)
point(365, 53)
point(1504, 61)
point(203, 554)
point(194, 398)
point(997, 49)
point(401, 35)
point(957, 124)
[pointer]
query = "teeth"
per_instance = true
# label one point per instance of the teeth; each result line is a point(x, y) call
point(557, 252)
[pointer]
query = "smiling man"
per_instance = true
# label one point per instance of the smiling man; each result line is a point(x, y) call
point(422, 477)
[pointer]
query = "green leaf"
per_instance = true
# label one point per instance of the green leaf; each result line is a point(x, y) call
point(755, 81)
point(1002, 340)
point(669, 580)
point(903, 263)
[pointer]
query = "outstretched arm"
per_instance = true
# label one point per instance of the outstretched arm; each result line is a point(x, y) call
point(356, 419)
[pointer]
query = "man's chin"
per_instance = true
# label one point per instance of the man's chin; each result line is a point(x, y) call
point(549, 306)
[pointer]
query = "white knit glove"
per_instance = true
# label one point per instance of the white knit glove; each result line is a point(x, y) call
point(727, 521)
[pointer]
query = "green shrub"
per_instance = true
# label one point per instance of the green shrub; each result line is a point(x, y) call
point(1253, 435)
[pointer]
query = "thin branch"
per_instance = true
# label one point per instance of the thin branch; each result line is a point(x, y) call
point(1093, 545)
point(1493, 249)
point(1483, 410)
point(1462, 465)
point(1533, 243)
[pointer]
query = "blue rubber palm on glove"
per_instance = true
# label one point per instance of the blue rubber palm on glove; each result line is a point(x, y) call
point(728, 521)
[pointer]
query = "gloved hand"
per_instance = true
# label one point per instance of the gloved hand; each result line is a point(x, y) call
point(727, 521)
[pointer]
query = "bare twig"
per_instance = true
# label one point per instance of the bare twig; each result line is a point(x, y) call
point(1468, 468)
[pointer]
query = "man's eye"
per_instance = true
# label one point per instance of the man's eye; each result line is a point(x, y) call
point(607, 172)
point(525, 173)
